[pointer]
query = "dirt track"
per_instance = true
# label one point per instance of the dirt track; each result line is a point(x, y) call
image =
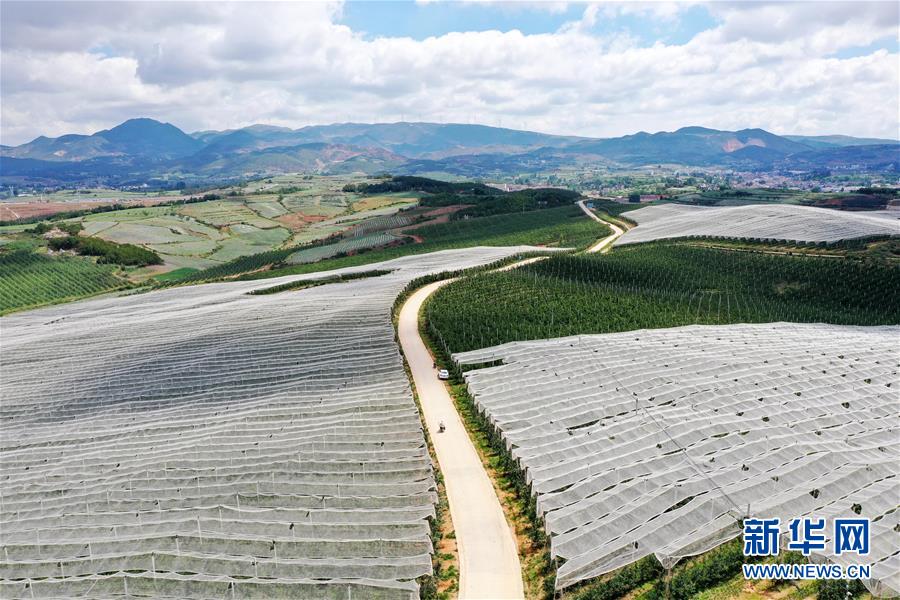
point(604, 244)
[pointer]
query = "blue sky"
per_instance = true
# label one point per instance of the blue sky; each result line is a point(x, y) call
point(599, 69)
point(889, 43)
point(421, 20)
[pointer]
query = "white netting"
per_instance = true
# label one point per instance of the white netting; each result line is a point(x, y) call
point(758, 221)
point(658, 441)
point(201, 442)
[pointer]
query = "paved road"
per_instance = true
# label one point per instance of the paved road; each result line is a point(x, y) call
point(489, 566)
point(488, 559)
point(604, 244)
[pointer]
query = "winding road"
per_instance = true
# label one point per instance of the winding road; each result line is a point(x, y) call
point(602, 245)
point(488, 557)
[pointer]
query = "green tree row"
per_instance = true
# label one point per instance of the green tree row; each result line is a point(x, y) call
point(107, 252)
point(655, 286)
point(31, 279)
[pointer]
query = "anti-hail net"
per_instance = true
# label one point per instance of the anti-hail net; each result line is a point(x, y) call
point(757, 222)
point(660, 441)
point(201, 442)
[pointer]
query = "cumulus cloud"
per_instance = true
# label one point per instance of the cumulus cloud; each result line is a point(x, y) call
point(82, 66)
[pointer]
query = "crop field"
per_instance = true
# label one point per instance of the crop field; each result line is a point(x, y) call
point(61, 202)
point(268, 208)
point(741, 197)
point(555, 227)
point(758, 222)
point(747, 196)
point(205, 442)
point(220, 213)
point(657, 286)
point(381, 223)
point(353, 244)
point(235, 221)
point(559, 227)
point(371, 202)
point(348, 224)
point(32, 279)
point(658, 442)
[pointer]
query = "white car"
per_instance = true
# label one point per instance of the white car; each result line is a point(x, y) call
point(443, 374)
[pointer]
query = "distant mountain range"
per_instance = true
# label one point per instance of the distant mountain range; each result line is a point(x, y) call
point(144, 149)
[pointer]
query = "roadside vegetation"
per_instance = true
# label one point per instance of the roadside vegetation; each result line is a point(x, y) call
point(533, 547)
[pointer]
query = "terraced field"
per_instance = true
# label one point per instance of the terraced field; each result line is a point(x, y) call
point(660, 441)
point(757, 222)
point(554, 227)
point(238, 222)
point(204, 442)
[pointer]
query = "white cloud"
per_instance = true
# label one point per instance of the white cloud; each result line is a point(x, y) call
point(78, 67)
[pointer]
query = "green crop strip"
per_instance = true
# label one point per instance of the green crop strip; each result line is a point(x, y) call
point(655, 286)
point(31, 279)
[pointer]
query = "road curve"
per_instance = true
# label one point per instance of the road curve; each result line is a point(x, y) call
point(488, 559)
point(603, 244)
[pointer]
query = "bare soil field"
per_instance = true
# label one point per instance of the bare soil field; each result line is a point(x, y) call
point(297, 221)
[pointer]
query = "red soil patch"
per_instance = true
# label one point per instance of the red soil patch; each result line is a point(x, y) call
point(298, 221)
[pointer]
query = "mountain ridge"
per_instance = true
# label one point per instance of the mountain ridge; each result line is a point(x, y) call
point(160, 149)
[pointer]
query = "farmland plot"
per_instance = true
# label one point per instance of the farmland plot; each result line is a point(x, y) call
point(203, 442)
point(660, 441)
point(226, 212)
point(267, 207)
point(31, 279)
point(353, 244)
point(757, 221)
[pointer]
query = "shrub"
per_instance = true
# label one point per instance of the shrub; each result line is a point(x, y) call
point(107, 252)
